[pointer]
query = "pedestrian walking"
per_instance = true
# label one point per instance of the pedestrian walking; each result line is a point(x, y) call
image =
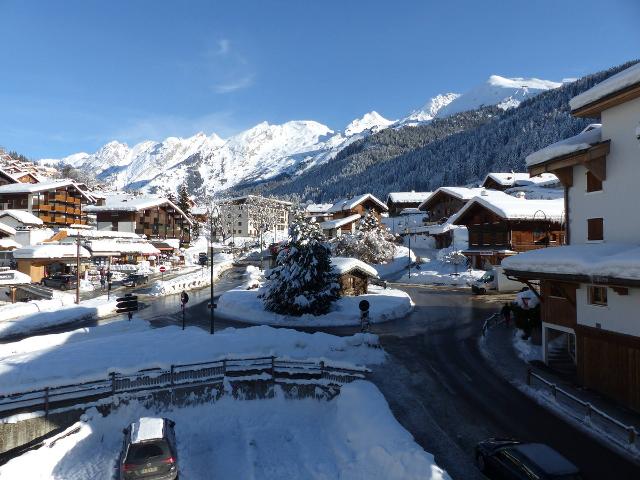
point(506, 313)
point(103, 281)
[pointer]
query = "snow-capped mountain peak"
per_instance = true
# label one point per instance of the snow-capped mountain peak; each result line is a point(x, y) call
point(501, 91)
point(371, 121)
point(429, 110)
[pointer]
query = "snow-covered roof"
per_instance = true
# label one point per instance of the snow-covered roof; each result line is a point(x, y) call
point(22, 216)
point(516, 208)
point(349, 203)
point(91, 233)
point(199, 210)
point(13, 277)
point(463, 193)
point(512, 179)
point(408, 197)
point(8, 244)
point(41, 187)
point(130, 203)
point(339, 222)
point(611, 85)
point(443, 227)
point(601, 259)
point(411, 211)
point(50, 251)
point(109, 246)
point(590, 136)
point(342, 265)
point(533, 192)
point(315, 208)
point(147, 428)
point(6, 229)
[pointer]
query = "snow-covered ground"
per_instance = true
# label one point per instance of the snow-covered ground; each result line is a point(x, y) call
point(354, 436)
point(196, 277)
point(21, 318)
point(242, 304)
point(400, 262)
point(526, 350)
point(126, 347)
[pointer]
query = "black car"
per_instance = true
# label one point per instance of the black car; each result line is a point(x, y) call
point(508, 459)
point(61, 281)
point(135, 279)
point(149, 450)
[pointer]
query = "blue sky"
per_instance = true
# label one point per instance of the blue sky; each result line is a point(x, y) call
point(76, 74)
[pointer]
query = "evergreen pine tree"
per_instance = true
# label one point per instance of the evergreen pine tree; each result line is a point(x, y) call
point(183, 200)
point(303, 280)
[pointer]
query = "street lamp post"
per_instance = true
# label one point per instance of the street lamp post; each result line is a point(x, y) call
point(215, 212)
point(406, 230)
point(546, 243)
point(78, 268)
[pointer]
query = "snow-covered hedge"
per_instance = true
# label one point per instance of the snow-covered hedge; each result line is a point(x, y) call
point(198, 279)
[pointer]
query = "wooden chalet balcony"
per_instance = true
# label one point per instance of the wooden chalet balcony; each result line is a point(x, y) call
point(61, 198)
point(60, 219)
point(47, 218)
point(44, 208)
point(59, 208)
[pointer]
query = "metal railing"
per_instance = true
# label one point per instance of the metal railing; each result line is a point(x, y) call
point(587, 413)
point(192, 374)
point(492, 321)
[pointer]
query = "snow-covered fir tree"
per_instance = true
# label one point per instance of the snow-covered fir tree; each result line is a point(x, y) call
point(303, 280)
point(372, 242)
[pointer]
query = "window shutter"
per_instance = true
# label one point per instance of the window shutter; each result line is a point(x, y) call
point(595, 229)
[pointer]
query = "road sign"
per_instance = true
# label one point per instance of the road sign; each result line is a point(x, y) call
point(184, 297)
point(128, 303)
point(364, 305)
point(163, 269)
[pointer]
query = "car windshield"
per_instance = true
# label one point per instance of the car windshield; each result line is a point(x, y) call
point(142, 452)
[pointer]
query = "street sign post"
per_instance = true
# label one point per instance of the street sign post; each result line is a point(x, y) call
point(127, 304)
point(162, 270)
point(184, 298)
point(364, 315)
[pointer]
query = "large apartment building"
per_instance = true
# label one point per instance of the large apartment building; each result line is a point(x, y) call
point(590, 289)
point(249, 215)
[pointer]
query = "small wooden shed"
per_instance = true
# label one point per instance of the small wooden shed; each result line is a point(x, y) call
point(353, 275)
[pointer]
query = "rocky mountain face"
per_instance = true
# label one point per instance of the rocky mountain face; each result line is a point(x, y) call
point(265, 152)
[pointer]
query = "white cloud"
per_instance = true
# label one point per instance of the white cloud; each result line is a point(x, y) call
point(224, 46)
point(234, 85)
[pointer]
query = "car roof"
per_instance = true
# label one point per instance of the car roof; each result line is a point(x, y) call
point(546, 458)
point(147, 428)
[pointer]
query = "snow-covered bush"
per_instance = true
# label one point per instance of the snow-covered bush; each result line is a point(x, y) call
point(371, 243)
point(453, 257)
point(303, 280)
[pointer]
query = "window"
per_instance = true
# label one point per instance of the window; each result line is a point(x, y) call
point(598, 296)
point(239, 224)
point(593, 183)
point(595, 229)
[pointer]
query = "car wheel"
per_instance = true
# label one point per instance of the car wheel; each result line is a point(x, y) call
point(63, 286)
point(481, 463)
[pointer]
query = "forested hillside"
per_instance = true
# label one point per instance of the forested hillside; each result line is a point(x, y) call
point(453, 151)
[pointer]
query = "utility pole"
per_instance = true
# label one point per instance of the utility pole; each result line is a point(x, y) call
point(78, 267)
point(212, 305)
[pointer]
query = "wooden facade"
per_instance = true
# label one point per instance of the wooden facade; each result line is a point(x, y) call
point(396, 207)
point(353, 283)
point(442, 205)
point(361, 209)
point(494, 237)
point(56, 207)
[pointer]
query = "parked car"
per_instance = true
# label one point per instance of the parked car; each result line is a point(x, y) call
point(135, 279)
point(61, 281)
point(149, 450)
point(507, 459)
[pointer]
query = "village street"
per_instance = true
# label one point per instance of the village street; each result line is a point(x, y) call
point(436, 376)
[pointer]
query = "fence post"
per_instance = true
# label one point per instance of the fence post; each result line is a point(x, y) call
point(46, 401)
point(171, 375)
point(632, 435)
point(224, 367)
point(554, 391)
point(322, 369)
point(113, 383)
point(273, 367)
point(528, 376)
point(589, 410)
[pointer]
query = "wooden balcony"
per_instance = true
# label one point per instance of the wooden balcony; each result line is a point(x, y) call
point(44, 208)
point(60, 198)
point(60, 219)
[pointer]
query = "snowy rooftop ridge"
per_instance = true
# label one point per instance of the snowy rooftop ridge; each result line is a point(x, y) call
point(408, 197)
point(611, 85)
point(22, 216)
point(42, 186)
point(339, 222)
point(342, 265)
point(613, 260)
point(147, 428)
point(130, 203)
point(512, 179)
point(318, 207)
point(50, 250)
point(6, 229)
point(349, 203)
point(516, 208)
point(590, 136)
